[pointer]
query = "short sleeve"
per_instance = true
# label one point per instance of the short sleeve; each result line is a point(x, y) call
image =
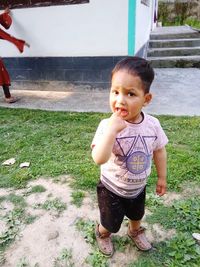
point(99, 132)
point(161, 139)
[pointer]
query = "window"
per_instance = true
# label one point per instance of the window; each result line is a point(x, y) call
point(145, 2)
point(37, 3)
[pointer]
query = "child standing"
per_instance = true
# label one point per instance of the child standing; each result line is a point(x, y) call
point(124, 146)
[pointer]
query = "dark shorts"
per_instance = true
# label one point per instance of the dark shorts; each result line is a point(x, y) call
point(113, 208)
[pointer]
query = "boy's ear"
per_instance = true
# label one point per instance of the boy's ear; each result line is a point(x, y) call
point(148, 98)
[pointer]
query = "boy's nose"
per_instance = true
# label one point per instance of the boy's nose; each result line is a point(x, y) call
point(120, 99)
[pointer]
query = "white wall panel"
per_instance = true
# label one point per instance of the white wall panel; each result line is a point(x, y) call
point(144, 19)
point(99, 28)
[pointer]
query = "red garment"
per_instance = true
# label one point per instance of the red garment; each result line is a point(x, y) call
point(17, 42)
point(4, 76)
point(5, 21)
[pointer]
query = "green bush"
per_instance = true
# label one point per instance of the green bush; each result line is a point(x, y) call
point(178, 13)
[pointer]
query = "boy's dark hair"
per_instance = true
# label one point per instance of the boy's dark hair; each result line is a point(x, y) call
point(139, 67)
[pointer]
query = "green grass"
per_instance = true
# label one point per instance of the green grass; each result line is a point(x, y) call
point(193, 22)
point(54, 142)
point(58, 143)
point(77, 198)
point(64, 259)
point(186, 219)
point(178, 21)
point(52, 205)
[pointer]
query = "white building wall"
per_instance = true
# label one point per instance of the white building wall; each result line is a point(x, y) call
point(99, 28)
point(144, 23)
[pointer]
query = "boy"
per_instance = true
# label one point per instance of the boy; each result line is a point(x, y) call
point(124, 146)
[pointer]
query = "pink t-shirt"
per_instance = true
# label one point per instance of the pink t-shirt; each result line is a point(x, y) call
point(126, 172)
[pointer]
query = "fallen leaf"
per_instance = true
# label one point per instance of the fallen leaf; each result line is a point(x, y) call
point(24, 164)
point(8, 162)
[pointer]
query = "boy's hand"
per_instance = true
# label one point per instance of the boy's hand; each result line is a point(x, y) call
point(161, 186)
point(116, 123)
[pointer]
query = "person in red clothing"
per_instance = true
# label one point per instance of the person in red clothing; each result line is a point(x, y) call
point(6, 21)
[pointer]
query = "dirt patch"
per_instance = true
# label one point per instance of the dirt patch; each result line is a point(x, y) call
point(41, 242)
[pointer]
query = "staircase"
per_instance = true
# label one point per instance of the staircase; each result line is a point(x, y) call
point(174, 47)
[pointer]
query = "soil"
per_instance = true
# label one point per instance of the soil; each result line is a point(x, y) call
point(40, 243)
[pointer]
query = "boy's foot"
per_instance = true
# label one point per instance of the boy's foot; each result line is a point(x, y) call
point(104, 242)
point(139, 238)
point(11, 100)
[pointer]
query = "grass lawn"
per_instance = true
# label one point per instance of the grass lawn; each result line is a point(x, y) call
point(57, 143)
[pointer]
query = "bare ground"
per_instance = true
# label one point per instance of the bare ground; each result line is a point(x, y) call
point(41, 242)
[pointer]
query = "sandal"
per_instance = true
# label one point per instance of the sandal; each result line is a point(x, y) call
point(104, 242)
point(139, 238)
point(11, 100)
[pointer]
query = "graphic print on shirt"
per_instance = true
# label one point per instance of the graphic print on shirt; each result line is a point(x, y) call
point(134, 157)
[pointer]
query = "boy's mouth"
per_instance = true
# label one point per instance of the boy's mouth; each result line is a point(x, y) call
point(121, 111)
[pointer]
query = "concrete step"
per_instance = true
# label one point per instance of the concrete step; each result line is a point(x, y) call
point(175, 62)
point(176, 51)
point(174, 43)
point(191, 35)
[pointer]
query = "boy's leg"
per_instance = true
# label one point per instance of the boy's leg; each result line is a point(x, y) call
point(111, 215)
point(103, 237)
point(103, 230)
point(137, 235)
point(135, 212)
point(134, 225)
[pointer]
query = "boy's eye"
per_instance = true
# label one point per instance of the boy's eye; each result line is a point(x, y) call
point(131, 94)
point(115, 92)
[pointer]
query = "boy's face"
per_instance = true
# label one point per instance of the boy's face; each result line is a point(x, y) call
point(127, 96)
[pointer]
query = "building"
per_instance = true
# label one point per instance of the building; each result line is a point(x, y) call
point(76, 41)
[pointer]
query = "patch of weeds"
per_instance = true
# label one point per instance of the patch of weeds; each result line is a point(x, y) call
point(162, 215)
point(18, 201)
point(97, 259)
point(13, 222)
point(183, 251)
point(19, 178)
point(65, 259)
point(52, 205)
point(121, 243)
point(180, 251)
point(28, 218)
point(2, 258)
point(23, 262)
point(2, 198)
point(87, 228)
point(145, 262)
point(153, 201)
point(35, 189)
point(77, 198)
point(188, 214)
point(183, 215)
point(61, 179)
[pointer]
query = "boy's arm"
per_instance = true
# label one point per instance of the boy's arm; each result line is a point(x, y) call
point(101, 152)
point(160, 160)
